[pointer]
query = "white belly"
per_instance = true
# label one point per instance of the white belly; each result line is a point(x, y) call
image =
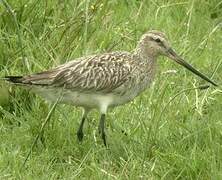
point(89, 100)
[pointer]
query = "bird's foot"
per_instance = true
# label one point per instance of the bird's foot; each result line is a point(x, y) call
point(103, 135)
point(80, 135)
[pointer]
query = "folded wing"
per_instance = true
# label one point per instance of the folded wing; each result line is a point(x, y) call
point(98, 73)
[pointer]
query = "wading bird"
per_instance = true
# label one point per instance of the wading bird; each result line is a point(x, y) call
point(106, 80)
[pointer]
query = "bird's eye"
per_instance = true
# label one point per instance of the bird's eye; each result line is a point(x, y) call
point(157, 40)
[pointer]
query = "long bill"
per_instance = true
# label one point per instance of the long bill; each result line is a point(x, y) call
point(173, 55)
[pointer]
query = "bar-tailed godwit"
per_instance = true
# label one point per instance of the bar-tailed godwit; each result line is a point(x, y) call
point(106, 80)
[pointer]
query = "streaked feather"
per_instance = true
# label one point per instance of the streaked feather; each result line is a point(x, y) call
point(97, 73)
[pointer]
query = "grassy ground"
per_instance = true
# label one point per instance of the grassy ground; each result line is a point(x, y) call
point(173, 133)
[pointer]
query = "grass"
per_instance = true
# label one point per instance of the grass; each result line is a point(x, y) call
point(169, 137)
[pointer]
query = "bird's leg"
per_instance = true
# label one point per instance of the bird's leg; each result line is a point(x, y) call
point(102, 128)
point(80, 130)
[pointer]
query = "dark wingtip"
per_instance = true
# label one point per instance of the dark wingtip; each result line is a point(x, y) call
point(13, 79)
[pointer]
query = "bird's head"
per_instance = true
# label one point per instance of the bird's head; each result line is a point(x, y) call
point(155, 43)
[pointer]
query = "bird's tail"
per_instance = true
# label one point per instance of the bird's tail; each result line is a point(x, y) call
point(13, 79)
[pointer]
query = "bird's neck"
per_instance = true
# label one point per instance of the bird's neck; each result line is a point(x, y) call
point(148, 57)
point(148, 61)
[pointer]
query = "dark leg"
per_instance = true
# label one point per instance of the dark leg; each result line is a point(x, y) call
point(42, 139)
point(102, 128)
point(80, 130)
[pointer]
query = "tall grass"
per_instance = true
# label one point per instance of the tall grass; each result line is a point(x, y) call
point(173, 133)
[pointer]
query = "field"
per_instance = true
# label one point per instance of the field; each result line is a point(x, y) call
point(174, 129)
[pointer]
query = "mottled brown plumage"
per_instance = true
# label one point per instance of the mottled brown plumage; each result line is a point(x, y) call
point(105, 73)
point(105, 80)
